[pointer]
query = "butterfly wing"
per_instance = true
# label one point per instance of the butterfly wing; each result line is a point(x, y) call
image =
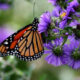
point(30, 47)
point(26, 44)
point(3, 50)
point(7, 47)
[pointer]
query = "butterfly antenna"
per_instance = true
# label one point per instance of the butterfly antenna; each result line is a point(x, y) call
point(34, 8)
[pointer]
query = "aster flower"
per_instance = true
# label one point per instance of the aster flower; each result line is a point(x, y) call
point(4, 33)
point(45, 21)
point(54, 52)
point(66, 14)
point(4, 6)
point(71, 55)
point(64, 50)
point(63, 14)
point(58, 12)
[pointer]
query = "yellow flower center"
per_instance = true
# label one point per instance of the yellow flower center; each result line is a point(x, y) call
point(63, 14)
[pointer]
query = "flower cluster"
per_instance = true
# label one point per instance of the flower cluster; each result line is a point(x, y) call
point(62, 33)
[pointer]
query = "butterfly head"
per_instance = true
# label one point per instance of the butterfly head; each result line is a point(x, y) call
point(35, 24)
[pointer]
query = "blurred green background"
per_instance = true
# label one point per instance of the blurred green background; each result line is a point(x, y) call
point(18, 15)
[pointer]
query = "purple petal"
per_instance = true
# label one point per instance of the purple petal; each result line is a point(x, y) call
point(58, 41)
point(56, 11)
point(48, 46)
point(73, 23)
point(76, 65)
point(47, 51)
point(66, 59)
point(5, 33)
point(52, 59)
point(71, 63)
point(63, 24)
point(45, 21)
point(77, 14)
point(56, 61)
point(49, 58)
point(74, 3)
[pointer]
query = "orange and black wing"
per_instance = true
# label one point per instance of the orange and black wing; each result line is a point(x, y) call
point(26, 44)
point(7, 47)
point(30, 47)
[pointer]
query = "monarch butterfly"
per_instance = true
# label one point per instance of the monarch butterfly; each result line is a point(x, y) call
point(26, 44)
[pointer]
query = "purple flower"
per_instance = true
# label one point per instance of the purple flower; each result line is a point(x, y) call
point(45, 21)
point(54, 52)
point(65, 14)
point(4, 6)
point(58, 12)
point(71, 55)
point(4, 33)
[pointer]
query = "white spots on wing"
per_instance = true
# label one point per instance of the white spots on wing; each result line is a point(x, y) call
point(8, 52)
point(6, 42)
point(21, 38)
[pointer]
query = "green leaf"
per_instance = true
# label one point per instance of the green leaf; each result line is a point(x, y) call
point(77, 33)
point(65, 39)
point(79, 1)
point(63, 32)
point(69, 30)
point(78, 9)
point(43, 77)
point(70, 0)
point(51, 38)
